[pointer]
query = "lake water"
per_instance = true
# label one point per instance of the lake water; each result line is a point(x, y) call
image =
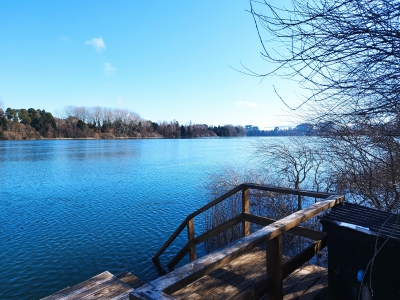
point(70, 209)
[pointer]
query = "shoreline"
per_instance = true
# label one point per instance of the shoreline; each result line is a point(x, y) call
point(132, 138)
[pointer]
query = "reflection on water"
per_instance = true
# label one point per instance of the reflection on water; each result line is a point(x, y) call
point(71, 209)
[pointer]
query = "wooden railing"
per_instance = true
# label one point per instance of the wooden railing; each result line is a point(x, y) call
point(271, 234)
point(243, 218)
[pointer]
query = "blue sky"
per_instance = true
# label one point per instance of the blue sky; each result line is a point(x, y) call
point(164, 60)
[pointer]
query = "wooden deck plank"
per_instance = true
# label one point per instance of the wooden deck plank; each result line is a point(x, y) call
point(194, 296)
point(130, 279)
point(239, 280)
point(229, 288)
point(198, 284)
point(90, 290)
point(102, 286)
point(242, 278)
point(112, 290)
point(232, 270)
point(305, 284)
point(296, 278)
point(316, 289)
point(215, 277)
point(248, 287)
point(231, 291)
point(248, 276)
point(78, 288)
point(252, 290)
point(124, 296)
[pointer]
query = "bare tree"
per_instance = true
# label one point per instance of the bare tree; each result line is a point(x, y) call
point(345, 55)
point(97, 113)
point(367, 169)
point(68, 111)
point(295, 161)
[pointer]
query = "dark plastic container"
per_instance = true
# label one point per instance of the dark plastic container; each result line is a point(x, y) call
point(354, 232)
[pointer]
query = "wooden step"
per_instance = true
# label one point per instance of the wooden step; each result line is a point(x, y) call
point(130, 279)
point(102, 286)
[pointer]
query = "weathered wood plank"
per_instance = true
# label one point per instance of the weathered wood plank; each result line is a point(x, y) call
point(102, 286)
point(253, 286)
point(294, 272)
point(316, 289)
point(199, 284)
point(245, 209)
point(93, 289)
point(239, 283)
point(151, 293)
point(192, 249)
point(298, 230)
point(227, 286)
point(112, 290)
point(192, 271)
point(206, 283)
point(130, 279)
point(281, 190)
point(257, 291)
point(194, 296)
point(249, 284)
point(296, 277)
point(305, 284)
point(256, 285)
point(102, 279)
point(274, 268)
point(124, 296)
point(291, 281)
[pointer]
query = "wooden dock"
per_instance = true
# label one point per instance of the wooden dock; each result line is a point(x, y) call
point(237, 280)
point(276, 277)
point(241, 278)
point(240, 270)
point(102, 286)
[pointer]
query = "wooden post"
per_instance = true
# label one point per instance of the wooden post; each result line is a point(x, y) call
point(190, 228)
point(299, 203)
point(274, 268)
point(246, 209)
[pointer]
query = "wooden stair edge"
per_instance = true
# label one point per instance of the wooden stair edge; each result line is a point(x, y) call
point(93, 281)
point(100, 280)
point(130, 279)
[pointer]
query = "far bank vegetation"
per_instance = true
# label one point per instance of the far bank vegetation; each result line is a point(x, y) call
point(100, 123)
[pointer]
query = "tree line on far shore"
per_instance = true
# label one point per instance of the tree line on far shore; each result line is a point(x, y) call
point(108, 123)
point(100, 123)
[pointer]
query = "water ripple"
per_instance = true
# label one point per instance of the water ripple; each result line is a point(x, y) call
point(72, 209)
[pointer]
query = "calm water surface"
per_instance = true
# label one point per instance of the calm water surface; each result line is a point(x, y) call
point(72, 209)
